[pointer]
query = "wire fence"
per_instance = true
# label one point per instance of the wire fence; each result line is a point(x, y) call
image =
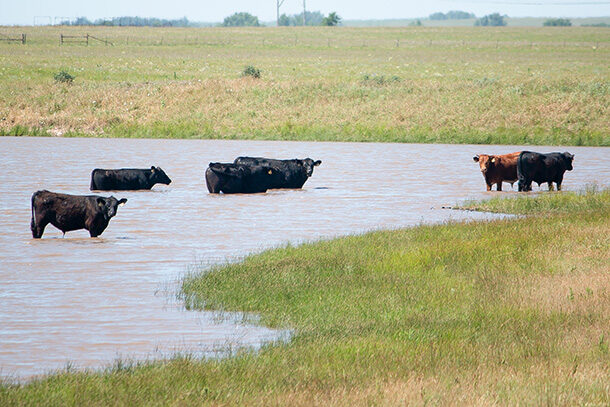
point(224, 39)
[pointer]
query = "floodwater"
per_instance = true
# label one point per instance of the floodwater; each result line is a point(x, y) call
point(85, 302)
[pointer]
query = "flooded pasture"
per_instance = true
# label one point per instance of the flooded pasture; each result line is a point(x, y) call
point(87, 301)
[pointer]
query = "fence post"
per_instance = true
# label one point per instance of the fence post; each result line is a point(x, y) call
point(87, 38)
point(397, 43)
point(61, 39)
point(23, 39)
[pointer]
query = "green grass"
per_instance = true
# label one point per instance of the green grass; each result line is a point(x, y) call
point(537, 86)
point(589, 199)
point(494, 313)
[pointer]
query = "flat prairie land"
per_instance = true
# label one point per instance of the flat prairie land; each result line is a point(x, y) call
point(505, 85)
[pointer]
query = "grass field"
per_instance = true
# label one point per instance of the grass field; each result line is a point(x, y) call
point(432, 84)
point(510, 312)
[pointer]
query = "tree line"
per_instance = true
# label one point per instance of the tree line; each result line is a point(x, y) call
point(132, 21)
point(310, 18)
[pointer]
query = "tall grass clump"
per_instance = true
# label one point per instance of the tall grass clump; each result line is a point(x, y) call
point(380, 79)
point(250, 70)
point(63, 77)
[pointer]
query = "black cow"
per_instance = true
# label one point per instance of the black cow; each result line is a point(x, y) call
point(295, 172)
point(72, 212)
point(238, 178)
point(541, 168)
point(127, 179)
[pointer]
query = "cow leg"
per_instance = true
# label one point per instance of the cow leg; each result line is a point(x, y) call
point(499, 184)
point(525, 186)
point(94, 227)
point(37, 226)
point(558, 181)
point(550, 185)
point(489, 187)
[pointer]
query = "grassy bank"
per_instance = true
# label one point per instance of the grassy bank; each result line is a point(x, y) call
point(444, 84)
point(503, 312)
point(590, 199)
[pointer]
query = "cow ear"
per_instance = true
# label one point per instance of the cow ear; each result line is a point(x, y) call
point(101, 201)
point(315, 164)
point(476, 158)
point(123, 201)
point(493, 160)
point(270, 172)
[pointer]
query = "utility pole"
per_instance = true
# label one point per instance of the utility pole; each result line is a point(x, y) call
point(304, 14)
point(279, 3)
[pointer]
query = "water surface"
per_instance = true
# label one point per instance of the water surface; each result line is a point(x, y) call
point(89, 301)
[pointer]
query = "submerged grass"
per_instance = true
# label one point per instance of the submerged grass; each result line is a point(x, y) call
point(502, 312)
point(446, 85)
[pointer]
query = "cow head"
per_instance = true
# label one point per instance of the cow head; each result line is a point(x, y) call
point(485, 162)
point(568, 159)
point(108, 206)
point(308, 164)
point(159, 176)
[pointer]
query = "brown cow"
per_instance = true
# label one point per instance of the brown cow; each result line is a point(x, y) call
point(498, 168)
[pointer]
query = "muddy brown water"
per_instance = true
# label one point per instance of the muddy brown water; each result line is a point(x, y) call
point(86, 302)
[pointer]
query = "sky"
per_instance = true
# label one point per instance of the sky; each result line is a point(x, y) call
point(27, 12)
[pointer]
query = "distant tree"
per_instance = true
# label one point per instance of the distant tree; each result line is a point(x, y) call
point(312, 18)
point(285, 21)
point(332, 19)
point(459, 15)
point(437, 16)
point(557, 22)
point(416, 23)
point(241, 20)
point(451, 15)
point(492, 20)
point(82, 21)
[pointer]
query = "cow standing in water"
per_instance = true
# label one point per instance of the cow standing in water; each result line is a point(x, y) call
point(125, 179)
point(498, 168)
point(72, 212)
point(295, 172)
point(238, 178)
point(541, 168)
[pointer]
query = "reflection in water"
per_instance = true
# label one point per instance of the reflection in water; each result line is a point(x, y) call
point(90, 301)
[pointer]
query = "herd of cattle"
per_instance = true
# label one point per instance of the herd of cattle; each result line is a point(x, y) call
point(253, 175)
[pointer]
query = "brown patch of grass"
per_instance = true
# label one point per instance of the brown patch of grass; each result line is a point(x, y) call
point(541, 383)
